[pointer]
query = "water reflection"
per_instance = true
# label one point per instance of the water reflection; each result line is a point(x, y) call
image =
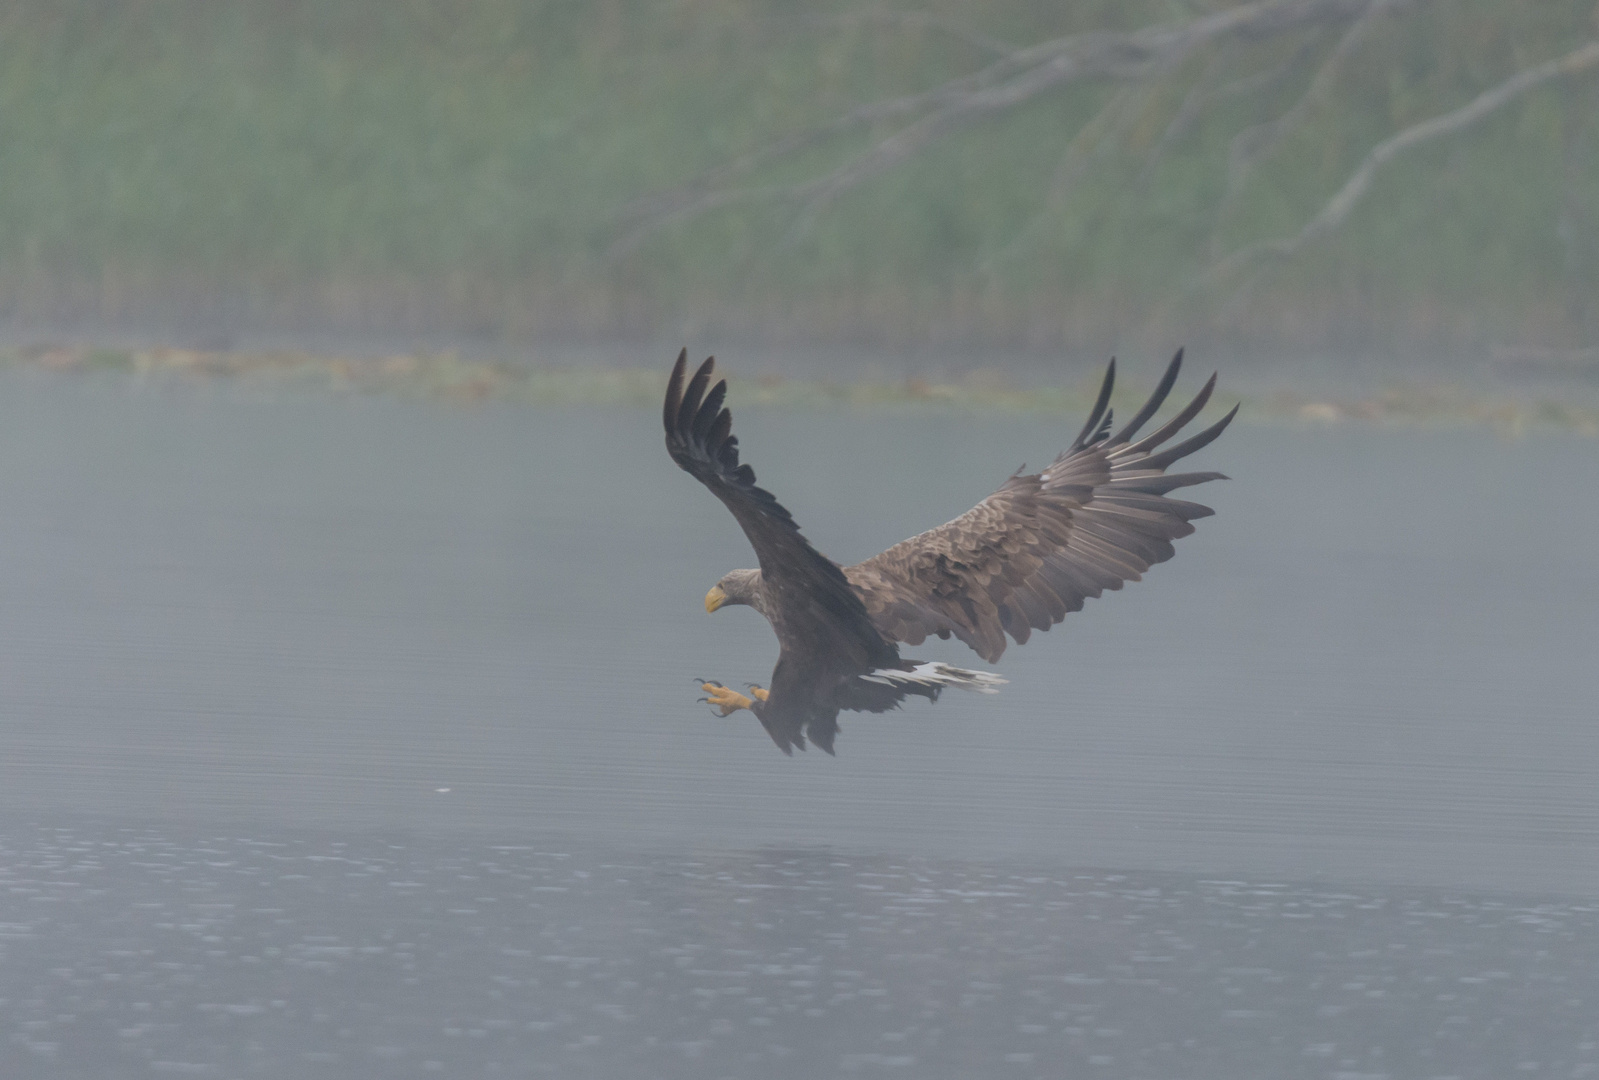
point(216, 954)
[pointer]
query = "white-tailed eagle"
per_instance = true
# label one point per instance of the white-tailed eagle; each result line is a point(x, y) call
point(1016, 562)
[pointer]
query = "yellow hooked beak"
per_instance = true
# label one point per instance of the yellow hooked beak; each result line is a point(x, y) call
point(715, 598)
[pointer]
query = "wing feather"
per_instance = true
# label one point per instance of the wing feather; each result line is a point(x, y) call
point(1175, 424)
point(1099, 416)
point(1188, 446)
point(699, 439)
point(1158, 398)
point(1036, 549)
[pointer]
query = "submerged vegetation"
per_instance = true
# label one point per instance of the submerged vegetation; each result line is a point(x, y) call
point(449, 377)
point(518, 168)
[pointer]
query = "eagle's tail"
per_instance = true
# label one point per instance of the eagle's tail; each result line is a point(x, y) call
point(935, 674)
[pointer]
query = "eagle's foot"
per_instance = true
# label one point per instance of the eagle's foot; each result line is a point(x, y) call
point(725, 699)
point(760, 692)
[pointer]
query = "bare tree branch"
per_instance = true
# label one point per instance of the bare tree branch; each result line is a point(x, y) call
point(1341, 204)
point(1253, 144)
point(1117, 56)
point(692, 197)
point(1012, 80)
point(701, 193)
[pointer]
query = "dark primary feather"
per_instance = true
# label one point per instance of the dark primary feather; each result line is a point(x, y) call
point(1156, 399)
point(1033, 551)
point(699, 439)
point(1098, 421)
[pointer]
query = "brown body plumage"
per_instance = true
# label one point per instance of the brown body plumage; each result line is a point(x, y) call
point(1018, 561)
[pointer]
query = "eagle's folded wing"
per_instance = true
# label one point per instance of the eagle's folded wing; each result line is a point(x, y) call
point(1039, 546)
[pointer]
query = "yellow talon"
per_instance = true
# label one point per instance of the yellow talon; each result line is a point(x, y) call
point(726, 699)
point(760, 693)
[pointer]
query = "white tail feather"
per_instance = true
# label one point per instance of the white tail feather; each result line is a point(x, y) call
point(937, 674)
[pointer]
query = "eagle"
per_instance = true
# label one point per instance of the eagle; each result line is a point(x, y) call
point(1018, 561)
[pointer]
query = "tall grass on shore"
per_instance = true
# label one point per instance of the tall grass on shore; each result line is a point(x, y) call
point(464, 166)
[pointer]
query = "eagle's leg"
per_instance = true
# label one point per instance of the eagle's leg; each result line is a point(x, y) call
point(725, 699)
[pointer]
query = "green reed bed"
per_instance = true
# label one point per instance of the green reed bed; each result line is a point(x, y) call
point(477, 165)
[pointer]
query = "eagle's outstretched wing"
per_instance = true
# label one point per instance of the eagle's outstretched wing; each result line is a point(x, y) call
point(815, 606)
point(699, 437)
point(1039, 546)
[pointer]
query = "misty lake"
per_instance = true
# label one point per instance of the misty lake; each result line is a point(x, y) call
point(357, 737)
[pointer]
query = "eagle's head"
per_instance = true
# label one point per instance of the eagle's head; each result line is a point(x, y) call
point(737, 587)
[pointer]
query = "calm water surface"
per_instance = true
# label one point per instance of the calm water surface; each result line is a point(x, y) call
point(354, 737)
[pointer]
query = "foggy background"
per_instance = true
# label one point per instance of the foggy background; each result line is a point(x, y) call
point(1398, 180)
point(351, 614)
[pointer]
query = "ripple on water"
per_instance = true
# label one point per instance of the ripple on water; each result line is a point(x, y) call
point(371, 956)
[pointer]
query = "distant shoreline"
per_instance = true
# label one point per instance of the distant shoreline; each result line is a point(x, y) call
point(448, 377)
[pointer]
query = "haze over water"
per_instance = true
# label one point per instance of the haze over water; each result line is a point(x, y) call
point(352, 736)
